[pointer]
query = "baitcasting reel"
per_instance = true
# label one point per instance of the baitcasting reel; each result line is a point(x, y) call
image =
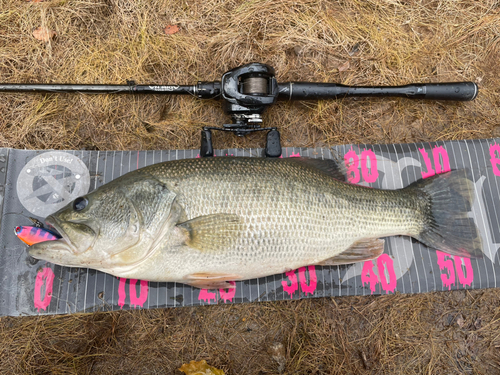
point(247, 91)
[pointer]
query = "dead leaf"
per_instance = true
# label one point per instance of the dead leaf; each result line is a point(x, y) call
point(34, 1)
point(354, 50)
point(171, 29)
point(478, 323)
point(277, 352)
point(366, 364)
point(43, 34)
point(344, 66)
point(200, 368)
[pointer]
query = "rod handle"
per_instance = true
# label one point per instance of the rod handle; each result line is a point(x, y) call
point(460, 91)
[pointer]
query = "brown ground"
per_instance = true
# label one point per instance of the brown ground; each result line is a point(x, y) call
point(385, 42)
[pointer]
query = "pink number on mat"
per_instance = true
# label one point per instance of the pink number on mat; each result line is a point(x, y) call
point(292, 288)
point(138, 301)
point(352, 166)
point(134, 300)
point(438, 152)
point(313, 281)
point(495, 160)
point(47, 276)
point(121, 292)
point(446, 264)
point(441, 161)
point(449, 280)
point(229, 295)
point(469, 277)
point(384, 262)
point(352, 161)
point(430, 172)
point(372, 174)
point(368, 276)
point(297, 155)
point(206, 296)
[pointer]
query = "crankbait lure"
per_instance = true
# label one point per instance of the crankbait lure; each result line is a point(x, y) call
point(32, 235)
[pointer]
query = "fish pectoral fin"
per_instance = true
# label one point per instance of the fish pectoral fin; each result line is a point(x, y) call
point(215, 232)
point(205, 280)
point(360, 251)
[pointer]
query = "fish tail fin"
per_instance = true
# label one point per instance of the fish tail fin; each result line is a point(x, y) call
point(448, 198)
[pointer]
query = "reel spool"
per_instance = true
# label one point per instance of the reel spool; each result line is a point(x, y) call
point(255, 86)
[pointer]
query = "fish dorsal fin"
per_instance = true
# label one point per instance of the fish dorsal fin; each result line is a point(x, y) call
point(212, 232)
point(360, 251)
point(327, 166)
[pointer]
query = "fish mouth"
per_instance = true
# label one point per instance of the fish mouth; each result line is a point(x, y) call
point(65, 239)
point(52, 250)
point(52, 222)
point(56, 252)
point(61, 251)
point(48, 250)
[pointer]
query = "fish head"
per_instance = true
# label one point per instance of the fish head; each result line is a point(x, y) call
point(114, 227)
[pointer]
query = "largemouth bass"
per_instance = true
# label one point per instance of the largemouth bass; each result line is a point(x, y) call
point(205, 222)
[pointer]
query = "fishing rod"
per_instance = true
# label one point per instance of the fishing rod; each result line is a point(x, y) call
point(249, 89)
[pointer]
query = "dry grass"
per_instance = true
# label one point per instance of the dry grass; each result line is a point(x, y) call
point(435, 333)
point(386, 42)
point(111, 41)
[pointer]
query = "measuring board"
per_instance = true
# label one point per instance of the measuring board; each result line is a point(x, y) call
point(38, 183)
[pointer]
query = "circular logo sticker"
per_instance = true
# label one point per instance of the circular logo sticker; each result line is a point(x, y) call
point(49, 181)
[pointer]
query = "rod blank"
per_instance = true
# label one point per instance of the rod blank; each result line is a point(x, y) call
point(100, 89)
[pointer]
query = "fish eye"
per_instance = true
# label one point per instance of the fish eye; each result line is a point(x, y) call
point(80, 203)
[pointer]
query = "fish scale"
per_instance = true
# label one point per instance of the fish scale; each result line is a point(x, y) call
point(313, 217)
point(205, 222)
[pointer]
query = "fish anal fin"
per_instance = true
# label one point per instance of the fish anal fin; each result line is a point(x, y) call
point(360, 251)
point(206, 280)
point(210, 233)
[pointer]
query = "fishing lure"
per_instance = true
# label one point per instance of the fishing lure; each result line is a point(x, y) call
point(32, 235)
point(37, 222)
